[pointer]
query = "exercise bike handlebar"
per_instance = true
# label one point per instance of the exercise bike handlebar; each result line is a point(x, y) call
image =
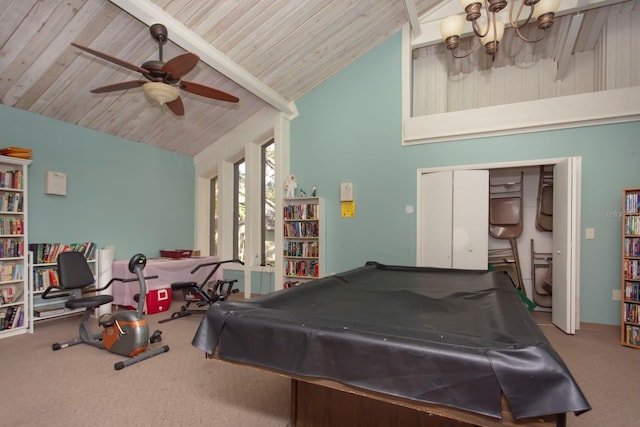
point(53, 292)
point(216, 263)
point(116, 279)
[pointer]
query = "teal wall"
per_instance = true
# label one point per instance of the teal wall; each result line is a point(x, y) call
point(349, 129)
point(262, 282)
point(128, 195)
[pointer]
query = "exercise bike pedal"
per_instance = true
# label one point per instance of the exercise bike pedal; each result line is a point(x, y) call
point(156, 336)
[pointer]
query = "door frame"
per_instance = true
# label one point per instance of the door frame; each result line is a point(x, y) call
point(573, 267)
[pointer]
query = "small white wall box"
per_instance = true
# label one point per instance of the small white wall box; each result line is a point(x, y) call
point(346, 191)
point(55, 183)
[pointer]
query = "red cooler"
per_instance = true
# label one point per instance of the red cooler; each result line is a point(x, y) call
point(158, 300)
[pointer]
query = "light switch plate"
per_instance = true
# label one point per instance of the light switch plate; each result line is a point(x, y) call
point(590, 233)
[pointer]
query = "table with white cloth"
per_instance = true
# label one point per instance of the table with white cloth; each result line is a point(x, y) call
point(168, 270)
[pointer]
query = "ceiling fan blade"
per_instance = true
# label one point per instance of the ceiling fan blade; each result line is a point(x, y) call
point(119, 86)
point(176, 106)
point(181, 65)
point(207, 91)
point(112, 59)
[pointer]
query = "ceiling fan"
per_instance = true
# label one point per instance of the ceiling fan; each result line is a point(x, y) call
point(164, 79)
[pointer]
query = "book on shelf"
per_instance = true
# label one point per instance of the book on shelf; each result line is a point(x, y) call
point(11, 271)
point(9, 294)
point(11, 248)
point(11, 202)
point(45, 277)
point(302, 211)
point(632, 203)
point(18, 318)
point(11, 226)
point(10, 317)
point(632, 334)
point(11, 179)
point(47, 253)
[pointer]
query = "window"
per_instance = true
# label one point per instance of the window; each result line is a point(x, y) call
point(268, 255)
point(214, 216)
point(239, 210)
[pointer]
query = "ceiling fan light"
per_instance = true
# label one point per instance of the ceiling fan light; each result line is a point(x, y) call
point(160, 92)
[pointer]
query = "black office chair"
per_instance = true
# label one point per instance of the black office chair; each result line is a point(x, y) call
point(75, 275)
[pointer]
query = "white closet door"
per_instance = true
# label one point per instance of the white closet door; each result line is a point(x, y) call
point(454, 218)
point(470, 219)
point(566, 238)
point(436, 219)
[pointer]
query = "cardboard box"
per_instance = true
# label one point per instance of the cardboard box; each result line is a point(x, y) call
point(158, 300)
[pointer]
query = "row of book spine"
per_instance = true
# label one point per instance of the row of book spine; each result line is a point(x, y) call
point(11, 248)
point(45, 277)
point(11, 179)
point(301, 249)
point(12, 317)
point(632, 225)
point(12, 226)
point(632, 334)
point(631, 269)
point(11, 202)
point(9, 295)
point(301, 229)
point(47, 253)
point(11, 271)
point(632, 203)
point(632, 246)
point(301, 211)
point(632, 291)
point(631, 312)
point(306, 268)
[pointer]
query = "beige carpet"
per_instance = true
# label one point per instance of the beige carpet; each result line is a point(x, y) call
point(78, 386)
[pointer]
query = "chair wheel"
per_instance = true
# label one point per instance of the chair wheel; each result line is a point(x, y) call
point(56, 346)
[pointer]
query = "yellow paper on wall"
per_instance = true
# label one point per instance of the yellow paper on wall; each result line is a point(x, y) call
point(348, 208)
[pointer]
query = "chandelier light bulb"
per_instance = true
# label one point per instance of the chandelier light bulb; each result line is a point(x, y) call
point(544, 7)
point(490, 36)
point(451, 26)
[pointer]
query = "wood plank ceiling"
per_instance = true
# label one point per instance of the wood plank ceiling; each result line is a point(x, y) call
point(268, 53)
point(289, 46)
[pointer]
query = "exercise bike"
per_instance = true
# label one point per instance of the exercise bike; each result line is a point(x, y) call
point(205, 293)
point(124, 332)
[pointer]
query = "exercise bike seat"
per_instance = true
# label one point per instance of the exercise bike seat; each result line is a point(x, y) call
point(182, 285)
point(88, 302)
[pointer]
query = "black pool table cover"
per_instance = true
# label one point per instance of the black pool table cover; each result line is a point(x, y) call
point(457, 338)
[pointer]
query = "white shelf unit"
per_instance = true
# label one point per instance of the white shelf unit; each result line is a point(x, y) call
point(15, 311)
point(43, 273)
point(303, 240)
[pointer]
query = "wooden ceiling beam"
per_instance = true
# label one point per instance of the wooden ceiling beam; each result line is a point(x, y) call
point(414, 21)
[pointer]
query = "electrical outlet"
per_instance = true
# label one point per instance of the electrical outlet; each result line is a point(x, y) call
point(617, 295)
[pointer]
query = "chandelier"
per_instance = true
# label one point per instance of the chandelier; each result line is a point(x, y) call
point(490, 29)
